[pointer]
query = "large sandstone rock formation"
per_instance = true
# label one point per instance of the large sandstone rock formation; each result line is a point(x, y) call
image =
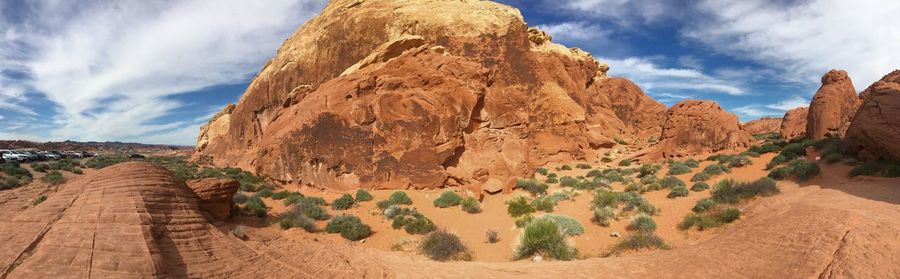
point(833, 106)
point(696, 127)
point(793, 124)
point(215, 195)
point(217, 126)
point(763, 125)
point(392, 94)
point(874, 132)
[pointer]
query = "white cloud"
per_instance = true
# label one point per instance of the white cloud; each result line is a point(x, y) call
point(806, 39)
point(624, 12)
point(652, 77)
point(112, 66)
point(790, 103)
point(776, 109)
point(752, 111)
point(575, 32)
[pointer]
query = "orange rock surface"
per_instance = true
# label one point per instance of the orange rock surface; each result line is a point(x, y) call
point(833, 106)
point(875, 130)
point(793, 124)
point(763, 125)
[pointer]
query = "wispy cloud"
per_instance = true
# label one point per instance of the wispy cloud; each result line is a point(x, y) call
point(653, 77)
point(576, 32)
point(790, 103)
point(624, 12)
point(804, 39)
point(110, 66)
point(776, 109)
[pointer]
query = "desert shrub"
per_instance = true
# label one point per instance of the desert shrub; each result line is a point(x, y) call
point(625, 163)
point(265, 193)
point(649, 179)
point(294, 217)
point(13, 169)
point(638, 241)
point(77, 171)
point(648, 169)
point(239, 198)
point(531, 186)
point(614, 175)
point(793, 150)
point(542, 171)
point(594, 173)
point(621, 141)
point(447, 199)
point(671, 182)
point(567, 181)
point(39, 200)
point(349, 226)
point(562, 196)
point(780, 173)
point(731, 160)
point(765, 148)
point(8, 182)
point(700, 176)
point(699, 186)
point(523, 221)
point(678, 168)
point(543, 236)
point(552, 175)
point(710, 219)
point(567, 225)
point(40, 167)
point(804, 169)
point(311, 207)
point(54, 178)
point(606, 160)
point(280, 195)
point(642, 223)
point(256, 206)
point(729, 215)
point(566, 167)
point(679, 191)
point(441, 245)
point(634, 201)
point(583, 166)
point(716, 169)
point(703, 205)
point(730, 191)
point(414, 223)
point(363, 195)
point(64, 164)
point(634, 187)
point(343, 203)
point(396, 198)
point(392, 211)
point(519, 206)
point(543, 203)
point(551, 180)
point(491, 236)
point(603, 198)
point(883, 168)
point(602, 216)
point(777, 160)
point(470, 205)
point(692, 163)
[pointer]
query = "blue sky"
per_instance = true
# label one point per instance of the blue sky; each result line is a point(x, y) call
point(154, 71)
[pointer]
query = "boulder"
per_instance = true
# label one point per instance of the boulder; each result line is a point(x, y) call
point(697, 127)
point(833, 106)
point(793, 124)
point(763, 125)
point(215, 195)
point(874, 132)
point(493, 186)
point(384, 94)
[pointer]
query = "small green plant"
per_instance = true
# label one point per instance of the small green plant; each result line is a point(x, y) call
point(884, 168)
point(239, 198)
point(543, 236)
point(625, 163)
point(295, 218)
point(606, 160)
point(671, 182)
point(39, 200)
point(531, 186)
point(447, 199)
point(441, 245)
point(77, 171)
point(642, 223)
point(349, 226)
point(710, 219)
point(700, 176)
point(363, 195)
point(679, 191)
point(692, 163)
point(780, 173)
point(679, 168)
point(396, 198)
point(567, 181)
point(803, 169)
point(40, 167)
point(602, 216)
point(648, 169)
point(567, 225)
point(603, 198)
point(594, 173)
point(470, 205)
point(703, 205)
point(566, 167)
point(343, 203)
point(280, 195)
point(542, 171)
point(54, 178)
point(519, 206)
point(716, 169)
point(699, 186)
point(265, 193)
point(583, 166)
point(543, 203)
point(730, 191)
point(414, 223)
point(637, 241)
point(311, 207)
point(256, 206)
point(621, 141)
point(551, 180)
point(491, 236)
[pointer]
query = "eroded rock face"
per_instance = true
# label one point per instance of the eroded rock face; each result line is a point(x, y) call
point(874, 132)
point(384, 94)
point(697, 127)
point(793, 124)
point(215, 195)
point(763, 125)
point(217, 126)
point(832, 107)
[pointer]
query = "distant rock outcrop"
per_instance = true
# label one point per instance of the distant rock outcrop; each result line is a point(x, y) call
point(833, 106)
point(793, 124)
point(697, 127)
point(763, 125)
point(217, 126)
point(874, 132)
point(215, 195)
point(385, 94)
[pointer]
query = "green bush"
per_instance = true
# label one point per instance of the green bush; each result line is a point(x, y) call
point(441, 245)
point(765, 148)
point(294, 217)
point(13, 169)
point(416, 223)
point(606, 160)
point(638, 241)
point(710, 219)
point(531, 186)
point(565, 167)
point(343, 203)
point(621, 141)
point(77, 171)
point(583, 166)
point(265, 193)
point(40, 167)
point(567, 181)
point(703, 205)
point(679, 191)
point(700, 176)
point(542, 171)
point(54, 178)
point(602, 216)
point(349, 226)
point(256, 206)
point(311, 207)
point(363, 195)
point(716, 169)
point(594, 173)
point(804, 169)
point(729, 215)
point(671, 182)
point(679, 168)
point(884, 168)
point(447, 199)
point(731, 160)
point(100, 162)
point(777, 160)
point(567, 225)
point(648, 169)
point(543, 203)
point(649, 179)
point(280, 195)
point(543, 236)
point(39, 200)
point(692, 163)
point(793, 150)
point(519, 206)
point(603, 198)
point(239, 198)
point(552, 175)
point(780, 173)
point(730, 191)
point(699, 186)
point(470, 205)
point(642, 223)
point(551, 180)
point(396, 198)
point(625, 163)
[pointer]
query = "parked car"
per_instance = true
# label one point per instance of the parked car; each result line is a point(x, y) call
point(27, 156)
point(47, 155)
point(73, 154)
point(10, 156)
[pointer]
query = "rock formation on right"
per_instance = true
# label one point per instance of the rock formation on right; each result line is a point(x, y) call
point(697, 127)
point(874, 131)
point(793, 124)
point(832, 107)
